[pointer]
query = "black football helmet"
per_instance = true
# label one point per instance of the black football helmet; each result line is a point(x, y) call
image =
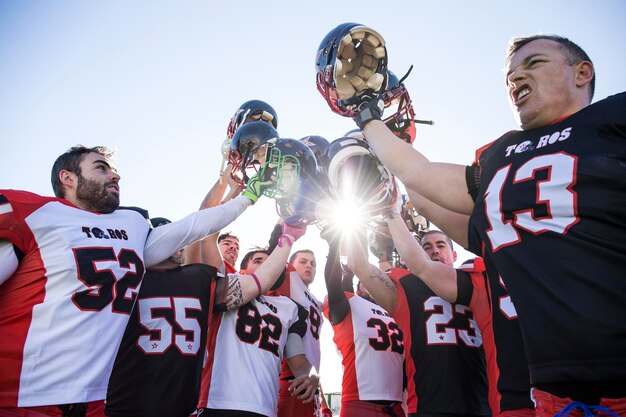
point(292, 168)
point(252, 110)
point(402, 121)
point(318, 145)
point(350, 61)
point(288, 161)
point(355, 172)
point(247, 148)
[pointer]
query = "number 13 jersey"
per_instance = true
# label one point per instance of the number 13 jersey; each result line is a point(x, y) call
point(551, 219)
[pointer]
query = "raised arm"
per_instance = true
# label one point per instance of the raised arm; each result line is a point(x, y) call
point(206, 250)
point(243, 288)
point(338, 305)
point(441, 183)
point(440, 278)
point(163, 241)
point(452, 224)
point(382, 288)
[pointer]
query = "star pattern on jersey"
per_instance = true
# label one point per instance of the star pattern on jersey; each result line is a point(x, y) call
point(189, 346)
point(155, 345)
point(441, 337)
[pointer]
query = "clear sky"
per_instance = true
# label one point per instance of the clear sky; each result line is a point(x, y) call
point(159, 80)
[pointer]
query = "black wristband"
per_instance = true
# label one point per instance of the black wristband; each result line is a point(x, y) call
point(472, 178)
point(370, 110)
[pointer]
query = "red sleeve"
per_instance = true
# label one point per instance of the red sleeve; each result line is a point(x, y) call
point(285, 287)
point(402, 307)
point(15, 207)
point(480, 151)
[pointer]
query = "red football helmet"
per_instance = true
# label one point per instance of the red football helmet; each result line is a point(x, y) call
point(402, 121)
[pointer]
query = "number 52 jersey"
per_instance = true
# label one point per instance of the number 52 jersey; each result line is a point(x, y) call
point(65, 308)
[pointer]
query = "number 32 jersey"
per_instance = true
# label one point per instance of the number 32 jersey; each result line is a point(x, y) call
point(550, 218)
point(64, 310)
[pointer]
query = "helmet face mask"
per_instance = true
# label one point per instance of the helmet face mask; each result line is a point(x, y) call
point(248, 149)
point(285, 171)
point(292, 168)
point(402, 121)
point(351, 61)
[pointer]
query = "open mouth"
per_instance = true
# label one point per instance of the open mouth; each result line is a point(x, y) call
point(520, 93)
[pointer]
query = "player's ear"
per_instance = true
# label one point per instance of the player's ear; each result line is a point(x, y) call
point(68, 179)
point(584, 73)
point(454, 256)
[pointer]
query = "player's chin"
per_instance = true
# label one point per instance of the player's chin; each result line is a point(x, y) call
point(110, 204)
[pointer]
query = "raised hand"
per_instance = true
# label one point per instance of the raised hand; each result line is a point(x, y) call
point(370, 107)
point(256, 186)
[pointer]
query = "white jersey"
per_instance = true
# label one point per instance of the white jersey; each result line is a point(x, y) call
point(246, 349)
point(294, 288)
point(372, 349)
point(63, 312)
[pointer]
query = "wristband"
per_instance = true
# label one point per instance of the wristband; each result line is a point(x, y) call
point(258, 284)
point(282, 239)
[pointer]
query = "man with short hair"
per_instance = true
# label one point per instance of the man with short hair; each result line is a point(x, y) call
point(247, 345)
point(369, 340)
point(303, 261)
point(544, 217)
point(445, 361)
point(70, 269)
point(253, 259)
point(300, 274)
point(229, 249)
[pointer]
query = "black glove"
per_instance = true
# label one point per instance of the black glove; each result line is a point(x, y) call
point(276, 234)
point(371, 108)
point(381, 244)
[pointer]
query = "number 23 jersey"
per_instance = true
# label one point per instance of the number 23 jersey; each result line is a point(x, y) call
point(551, 219)
point(64, 310)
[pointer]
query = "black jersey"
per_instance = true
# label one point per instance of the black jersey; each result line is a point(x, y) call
point(445, 362)
point(159, 364)
point(550, 217)
point(507, 366)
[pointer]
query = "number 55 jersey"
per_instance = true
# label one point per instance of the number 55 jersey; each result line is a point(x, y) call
point(550, 218)
point(158, 366)
point(64, 310)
